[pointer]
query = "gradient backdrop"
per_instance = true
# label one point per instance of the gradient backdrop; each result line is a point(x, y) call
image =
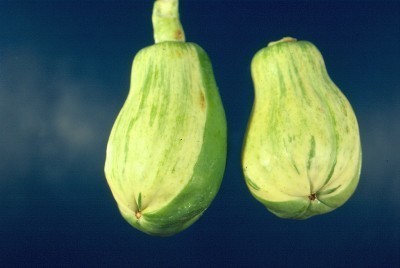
point(64, 75)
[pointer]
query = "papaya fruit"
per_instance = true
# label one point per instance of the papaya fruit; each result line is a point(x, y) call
point(302, 153)
point(166, 153)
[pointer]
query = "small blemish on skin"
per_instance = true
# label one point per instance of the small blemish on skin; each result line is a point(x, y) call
point(178, 34)
point(202, 101)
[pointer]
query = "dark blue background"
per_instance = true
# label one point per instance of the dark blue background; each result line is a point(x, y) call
point(64, 75)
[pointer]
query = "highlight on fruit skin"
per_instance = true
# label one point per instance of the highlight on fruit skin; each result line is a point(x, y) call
point(166, 152)
point(302, 153)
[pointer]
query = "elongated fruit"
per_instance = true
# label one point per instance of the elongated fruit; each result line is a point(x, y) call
point(167, 149)
point(302, 152)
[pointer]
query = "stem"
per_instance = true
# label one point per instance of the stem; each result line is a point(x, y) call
point(285, 39)
point(166, 23)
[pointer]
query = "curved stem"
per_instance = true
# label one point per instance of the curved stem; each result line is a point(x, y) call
point(285, 39)
point(166, 23)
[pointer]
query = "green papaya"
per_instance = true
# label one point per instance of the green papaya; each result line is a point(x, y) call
point(166, 152)
point(302, 153)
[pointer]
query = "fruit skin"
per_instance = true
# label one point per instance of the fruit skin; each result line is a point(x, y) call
point(302, 152)
point(167, 149)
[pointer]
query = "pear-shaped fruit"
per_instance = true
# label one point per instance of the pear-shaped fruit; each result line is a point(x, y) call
point(167, 149)
point(302, 153)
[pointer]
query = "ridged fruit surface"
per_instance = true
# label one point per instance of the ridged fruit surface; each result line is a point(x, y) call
point(167, 149)
point(302, 153)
